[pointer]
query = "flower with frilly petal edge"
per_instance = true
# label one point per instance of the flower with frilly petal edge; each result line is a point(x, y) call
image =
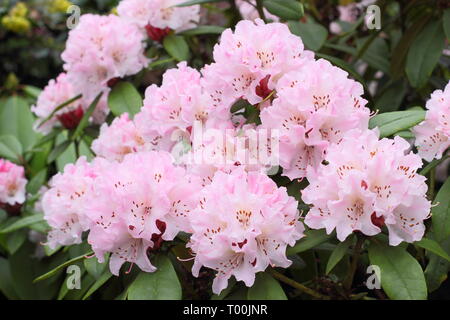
point(243, 224)
point(368, 183)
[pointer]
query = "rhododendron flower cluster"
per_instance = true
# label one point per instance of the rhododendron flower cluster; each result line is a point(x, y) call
point(314, 108)
point(433, 134)
point(128, 206)
point(158, 17)
point(99, 49)
point(64, 203)
point(368, 183)
point(255, 55)
point(119, 139)
point(243, 224)
point(12, 183)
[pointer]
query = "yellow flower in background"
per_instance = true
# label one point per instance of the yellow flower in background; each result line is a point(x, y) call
point(114, 11)
point(59, 6)
point(16, 24)
point(19, 10)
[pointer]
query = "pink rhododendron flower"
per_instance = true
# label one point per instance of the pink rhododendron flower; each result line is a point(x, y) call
point(178, 103)
point(159, 14)
point(99, 49)
point(433, 134)
point(314, 108)
point(251, 53)
point(12, 183)
point(243, 224)
point(368, 183)
point(134, 203)
point(118, 139)
point(247, 8)
point(64, 202)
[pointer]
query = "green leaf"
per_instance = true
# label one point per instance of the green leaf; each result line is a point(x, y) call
point(10, 148)
point(16, 119)
point(162, 284)
point(201, 30)
point(85, 120)
point(23, 223)
point(401, 50)
point(194, 2)
point(377, 53)
point(440, 213)
point(338, 253)
point(446, 22)
point(312, 239)
point(58, 151)
point(32, 91)
point(437, 269)
point(424, 54)
point(124, 98)
point(313, 34)
point(177, 47)
point(54, 271)
point(95, 268)
point(37, 181)
point(98, 284)
point(285, 9)
point(432, 246)
point(69, 155)
point(401, 275)
point(390, 123)
point(6, 281)
point(15, 240)
point(266, 288)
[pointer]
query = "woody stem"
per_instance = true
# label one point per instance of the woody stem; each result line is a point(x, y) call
point(297, 285)
point(354, 264)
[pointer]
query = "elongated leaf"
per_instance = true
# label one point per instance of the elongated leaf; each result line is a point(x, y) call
point(124, 98)
point(22, 223)
point(10, 148)
point(95, 268)
point(390, 123)
point(162, 284)
point(446, 22)
point(58, 151)
point(285, 9)
point(177, 47)
point(401, 50)
point(16, 119)
point(338, 254)
point(401, 275)
point(437, 269)
point(424, 54)
point(266, 288)
point(54, 271)
point(432, 246)
point(313, 34)
point(37, 181)
point(6, 282)
point(441, 213)
point(85, 120)
point(202, 30)
point(312, 239)
point(100, 282)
